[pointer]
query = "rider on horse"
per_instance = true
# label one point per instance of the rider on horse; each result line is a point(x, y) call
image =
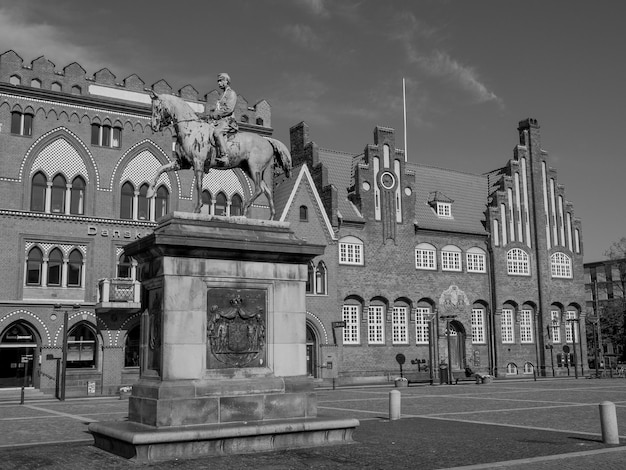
point(222, 117)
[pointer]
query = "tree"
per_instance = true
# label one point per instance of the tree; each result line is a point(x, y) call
point(613, 310)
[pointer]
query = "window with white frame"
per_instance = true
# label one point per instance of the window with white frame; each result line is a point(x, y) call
point(511, 369)
point(350, 251)
point(478, 325)
point(571, 327)
point(399, 325)
point(555, 324)
point(425, 256)
point(350, 315)
point(506, 319)
point(560, 265)
point(528, 368)
point(444, 209)
point(422, 317)
point(526, 326)
point(517, 262)
point(450, 258)
point(376, 324)
point(476, 260)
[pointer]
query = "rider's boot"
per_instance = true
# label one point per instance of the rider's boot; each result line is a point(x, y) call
point(222, 155)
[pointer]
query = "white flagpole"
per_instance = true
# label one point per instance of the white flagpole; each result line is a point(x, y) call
point(406, 150)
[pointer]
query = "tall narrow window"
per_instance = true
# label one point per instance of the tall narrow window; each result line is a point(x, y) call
point(81, 347)
point(207, 202)
point(57, 199)
point(350, 314)
point(304, 214)
point(38, 193)
point(507, 325)
point(555, 326)
point(34, 262)
point(55, 267)
point(399, 323)
point(310, 278)
point(236, 205)
point(526, 326)
point(124, 267)
point(220, 204)
point(143, 203)
point(375, 324)
point(77, 199)
point(421, 325)
point(126, 205)
point(571, 327)
point(478, 325)
point(75, 269)
point(131, 347)
point(321, 280)
point(161, 202)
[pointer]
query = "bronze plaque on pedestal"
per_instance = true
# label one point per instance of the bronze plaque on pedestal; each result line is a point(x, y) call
point(236, 326)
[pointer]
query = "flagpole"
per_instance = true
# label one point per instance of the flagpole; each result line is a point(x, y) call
point(406, 150)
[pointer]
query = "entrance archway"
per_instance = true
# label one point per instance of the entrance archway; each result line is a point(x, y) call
point(311, 352)
point(457, 346)
point(18, 356)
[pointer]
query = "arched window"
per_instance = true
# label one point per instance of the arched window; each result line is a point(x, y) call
point(143, 203)
point(423, 315)
point(526, 325)
point(236, 205)
point(476, 260)
point(207, 202)
point(351, 314)
point(220, 204)
point(321, 280)
point(528, 368)
point(38, 193)
point(75, 269)
point(161, 202)
point(57, 197)
point(126, 204)
point(77, 199)
point(55, 267)
point(34, 262)
point(81, 347)
point(131, 347)
point(400, 323)
point(517, 262)
point(350, 251)
point(560, 265)
point(124, 267)
point(478, 325)
point(425, 256)
point(511, 369)
point(304, 214)
point(310, 277)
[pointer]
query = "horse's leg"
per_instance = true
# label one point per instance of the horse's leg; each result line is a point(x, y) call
point(173, 166)
point(199, 171)
point(270, 200)
point(256, 179)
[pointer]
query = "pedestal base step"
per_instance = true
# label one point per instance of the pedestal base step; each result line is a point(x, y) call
point(148, 444)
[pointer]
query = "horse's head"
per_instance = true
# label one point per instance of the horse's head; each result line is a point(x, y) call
point(160, 115)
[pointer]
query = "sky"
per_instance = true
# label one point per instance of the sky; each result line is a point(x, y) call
point(472, 68)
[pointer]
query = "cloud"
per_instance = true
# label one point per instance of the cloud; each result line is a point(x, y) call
point(303, 36)
point(442, 65)
point(317, 7)
point(32, 40)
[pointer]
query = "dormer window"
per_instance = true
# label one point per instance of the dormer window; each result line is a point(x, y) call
point(441, 204)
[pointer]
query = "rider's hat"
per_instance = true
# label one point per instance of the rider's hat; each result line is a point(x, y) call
point(223, 75)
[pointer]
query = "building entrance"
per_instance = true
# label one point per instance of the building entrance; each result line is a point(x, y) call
point(311, 352)
point(457, 346)
point(18, 348)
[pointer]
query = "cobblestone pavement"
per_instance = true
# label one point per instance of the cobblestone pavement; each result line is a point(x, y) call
point(548, 424)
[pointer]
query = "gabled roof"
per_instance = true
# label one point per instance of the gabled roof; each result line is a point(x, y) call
point(340, 167)
point(468, 191)
point(285, 193)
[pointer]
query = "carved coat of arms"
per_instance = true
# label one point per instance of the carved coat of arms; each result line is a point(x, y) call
point(236, 326)
point(453, 299)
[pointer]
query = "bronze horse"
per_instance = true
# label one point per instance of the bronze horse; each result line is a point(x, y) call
point(195, 149)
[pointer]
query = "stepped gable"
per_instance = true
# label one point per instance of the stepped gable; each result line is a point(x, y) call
point(468, 191)
point(42, 73)
point(341, 167)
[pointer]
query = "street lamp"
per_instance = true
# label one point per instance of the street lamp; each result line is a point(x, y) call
point(447, 318)
point(575, 320)
point(595, 321)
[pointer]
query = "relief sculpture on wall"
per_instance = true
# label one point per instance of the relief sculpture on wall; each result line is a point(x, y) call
point(236, 328)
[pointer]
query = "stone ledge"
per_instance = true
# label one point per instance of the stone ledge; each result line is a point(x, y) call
point(148, 444)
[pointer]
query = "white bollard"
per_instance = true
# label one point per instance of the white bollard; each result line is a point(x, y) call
point(608, 422)
point(394, 404)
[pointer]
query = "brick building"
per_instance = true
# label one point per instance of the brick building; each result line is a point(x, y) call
point(467, 270)
point(478, 271)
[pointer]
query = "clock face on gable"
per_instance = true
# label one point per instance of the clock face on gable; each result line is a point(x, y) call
point(387, 180)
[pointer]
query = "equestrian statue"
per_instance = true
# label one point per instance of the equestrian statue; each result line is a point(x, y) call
point(214, 142)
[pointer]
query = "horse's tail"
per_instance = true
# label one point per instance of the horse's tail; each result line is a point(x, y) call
point(282, 155)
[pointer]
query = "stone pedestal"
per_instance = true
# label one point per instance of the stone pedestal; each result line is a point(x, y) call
point(223, 365)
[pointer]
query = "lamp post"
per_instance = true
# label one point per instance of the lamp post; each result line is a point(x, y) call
point(430, 319)
point(594, 320)
point(551, 348)
point(447, 318)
